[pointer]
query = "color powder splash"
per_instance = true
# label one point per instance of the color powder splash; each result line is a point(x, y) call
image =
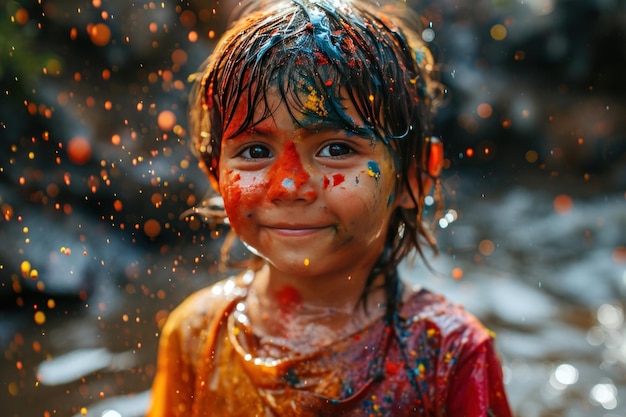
point(337, 179)
point(288, 299)
point(373, 170)
point(287, 174)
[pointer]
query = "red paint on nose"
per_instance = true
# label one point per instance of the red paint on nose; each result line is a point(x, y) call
point(287, 175)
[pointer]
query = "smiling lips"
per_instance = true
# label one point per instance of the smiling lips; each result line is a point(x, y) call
point(295, 230)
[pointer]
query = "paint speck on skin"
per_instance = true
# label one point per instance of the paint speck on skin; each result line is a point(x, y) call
point(373, 170)
point(338, 179)
point(288, 298)
point(288, 184)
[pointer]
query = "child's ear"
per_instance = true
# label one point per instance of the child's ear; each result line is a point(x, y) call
point(433, 162)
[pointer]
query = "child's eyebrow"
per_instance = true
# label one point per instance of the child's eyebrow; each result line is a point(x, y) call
point(249, 131)
point(266, 131)
point(330, 126)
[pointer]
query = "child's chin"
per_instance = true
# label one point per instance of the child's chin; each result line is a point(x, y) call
point(297, 265)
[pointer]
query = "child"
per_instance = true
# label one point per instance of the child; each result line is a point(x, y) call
point(311, 119)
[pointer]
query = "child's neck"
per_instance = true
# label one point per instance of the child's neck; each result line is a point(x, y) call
point(306, 311)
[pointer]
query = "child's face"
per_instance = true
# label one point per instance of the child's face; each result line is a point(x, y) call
point(310, 201)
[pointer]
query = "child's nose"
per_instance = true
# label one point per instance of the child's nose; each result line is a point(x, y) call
point(288, 179)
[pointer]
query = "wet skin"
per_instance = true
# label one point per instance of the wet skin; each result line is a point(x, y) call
point(308, 202)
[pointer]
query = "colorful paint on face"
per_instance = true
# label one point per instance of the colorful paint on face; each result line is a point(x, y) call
point(337, 179)
point(373, 170)
point(390, 199)
point(231, 192)
point(302, 209)
point(287, 174)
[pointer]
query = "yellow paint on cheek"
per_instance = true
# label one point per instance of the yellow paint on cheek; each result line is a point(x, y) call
point(373, 170)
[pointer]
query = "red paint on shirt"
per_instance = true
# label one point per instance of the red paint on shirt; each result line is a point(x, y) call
point(443, 363)
point(391, 368)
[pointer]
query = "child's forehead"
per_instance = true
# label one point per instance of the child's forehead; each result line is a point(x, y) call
point(282, 118)
point(304, 107)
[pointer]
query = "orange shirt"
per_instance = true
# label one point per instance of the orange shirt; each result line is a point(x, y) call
point(434, 360)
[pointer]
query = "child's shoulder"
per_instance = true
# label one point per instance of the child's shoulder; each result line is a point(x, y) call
point(443, 318)
point(195, 321)
point(202, 307)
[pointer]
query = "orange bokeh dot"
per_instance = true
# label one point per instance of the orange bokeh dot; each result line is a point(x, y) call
point(469, 152)
point(484, 110)
point(188, 18)
point(619, 254)
point(40, 317)
point(457, 273)
point(25, 268)
point(152, 228)
point(100, 34)
point(486, 247)
point(117, 205)
point(161, 317)
point(79, 150)
point(179, 57)
point(166, 120)
point(563, 204)
point(21, 16)
point(157, 199)
point(168, 76)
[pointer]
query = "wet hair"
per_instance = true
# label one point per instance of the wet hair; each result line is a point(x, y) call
point(316, 54)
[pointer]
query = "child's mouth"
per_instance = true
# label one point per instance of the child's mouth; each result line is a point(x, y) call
point(295, 230)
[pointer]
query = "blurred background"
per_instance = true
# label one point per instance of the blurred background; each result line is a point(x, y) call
point(96, 180)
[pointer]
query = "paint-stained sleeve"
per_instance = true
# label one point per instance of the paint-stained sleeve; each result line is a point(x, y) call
point(187, 334)
point(172, 389)
point(476, 387)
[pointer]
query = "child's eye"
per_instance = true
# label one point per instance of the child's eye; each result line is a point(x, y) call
point(255, 152)
point(335, 150)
